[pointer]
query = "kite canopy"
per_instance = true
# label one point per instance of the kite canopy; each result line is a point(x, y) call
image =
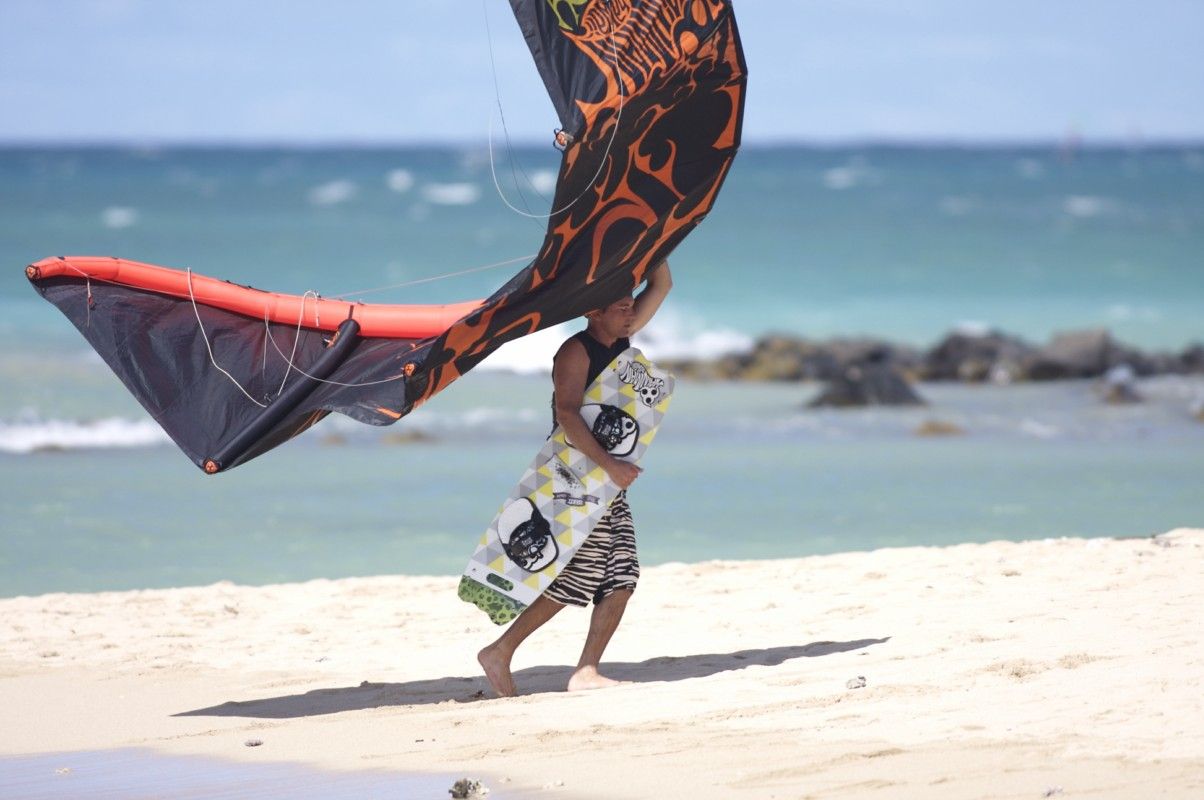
point(652, 96)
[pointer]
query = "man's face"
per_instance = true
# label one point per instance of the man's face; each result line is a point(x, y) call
point(616, 319)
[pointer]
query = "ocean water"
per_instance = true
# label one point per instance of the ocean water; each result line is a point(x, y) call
point(903, 243)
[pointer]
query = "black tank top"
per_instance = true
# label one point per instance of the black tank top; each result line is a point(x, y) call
point(599, 357)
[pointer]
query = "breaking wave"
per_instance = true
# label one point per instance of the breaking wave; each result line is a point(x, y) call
point(34, 436)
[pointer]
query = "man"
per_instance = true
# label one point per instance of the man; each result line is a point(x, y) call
point(605, 569)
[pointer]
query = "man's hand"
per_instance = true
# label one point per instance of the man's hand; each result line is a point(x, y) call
point(621, 472)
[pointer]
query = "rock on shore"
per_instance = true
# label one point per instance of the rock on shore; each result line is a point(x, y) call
point(962, 356)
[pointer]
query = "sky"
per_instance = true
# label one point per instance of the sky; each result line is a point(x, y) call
point(407, 71)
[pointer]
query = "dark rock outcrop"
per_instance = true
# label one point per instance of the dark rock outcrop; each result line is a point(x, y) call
point(877, 383)
point(994, 356)
point(1091, 353)
point(1192, 358)
point(786, 358)
point(974, 358)
point(1077, 354)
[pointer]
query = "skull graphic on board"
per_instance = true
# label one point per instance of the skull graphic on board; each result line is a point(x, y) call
point(614, 429)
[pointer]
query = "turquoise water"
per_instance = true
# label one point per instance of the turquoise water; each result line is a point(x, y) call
point(736, 472)
point(901, 243)
point(898, 242)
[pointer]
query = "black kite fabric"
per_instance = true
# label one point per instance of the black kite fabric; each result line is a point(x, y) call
point(652, 94)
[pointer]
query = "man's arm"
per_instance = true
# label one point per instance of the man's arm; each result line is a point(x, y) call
point(569, 370)
point(660, 281)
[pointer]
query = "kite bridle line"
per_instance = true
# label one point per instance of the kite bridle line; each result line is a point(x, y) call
point(292, 365)
point(433, 278)
point(289, 360)
point(601, 163)
point(208, 347)
point(301, 315)
point(296, 339)
point(497, 93)
point(195, 310)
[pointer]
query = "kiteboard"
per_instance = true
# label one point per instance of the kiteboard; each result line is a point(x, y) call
point(563, 494)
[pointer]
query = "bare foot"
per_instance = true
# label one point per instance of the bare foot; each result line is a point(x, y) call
point(497, 670)
point(589, 678)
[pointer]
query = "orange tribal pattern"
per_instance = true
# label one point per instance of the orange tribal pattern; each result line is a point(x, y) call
point(650, 96)
point(654, 146)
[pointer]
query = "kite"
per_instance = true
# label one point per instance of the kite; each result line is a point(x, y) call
point(650, 96)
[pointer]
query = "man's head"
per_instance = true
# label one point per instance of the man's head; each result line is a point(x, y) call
point(614, 321)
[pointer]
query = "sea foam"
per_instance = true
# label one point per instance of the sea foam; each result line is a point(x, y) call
point(451, 194)
point(672, 334)
point(400, 180)
point(543, 181)
point(31, 436)
point(332, 193)
point(117, 217)
point(1086, 206)
point(677, 334)
point(531, 354)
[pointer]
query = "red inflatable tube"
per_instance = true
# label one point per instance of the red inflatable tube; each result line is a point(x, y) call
point(390, 321)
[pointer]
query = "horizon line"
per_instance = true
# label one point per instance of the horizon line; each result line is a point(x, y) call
point(762, 143)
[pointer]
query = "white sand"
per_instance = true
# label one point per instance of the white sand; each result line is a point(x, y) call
point(997, 670)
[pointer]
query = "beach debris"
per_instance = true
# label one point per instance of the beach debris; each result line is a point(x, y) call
point(468, 788)
point(1052, 790)
point(409, 436)
point(1197, 409)
point(232, 610)
point(253, 742)
point(553, 785)
point(62, 770)
point(1119, 386)
point(937, 427)
point(855, 683)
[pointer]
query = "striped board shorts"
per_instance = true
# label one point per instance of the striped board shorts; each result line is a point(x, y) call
point(605, 563)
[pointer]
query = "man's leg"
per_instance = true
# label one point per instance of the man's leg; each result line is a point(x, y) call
point(495, 659)
point(605, 620)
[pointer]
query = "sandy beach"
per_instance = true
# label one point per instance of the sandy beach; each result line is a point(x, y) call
point(1065, 667)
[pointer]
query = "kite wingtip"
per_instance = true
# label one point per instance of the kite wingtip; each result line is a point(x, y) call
point(32, 272)
point(211, 467)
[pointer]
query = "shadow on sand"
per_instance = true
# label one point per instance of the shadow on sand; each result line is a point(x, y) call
point(532, 680)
